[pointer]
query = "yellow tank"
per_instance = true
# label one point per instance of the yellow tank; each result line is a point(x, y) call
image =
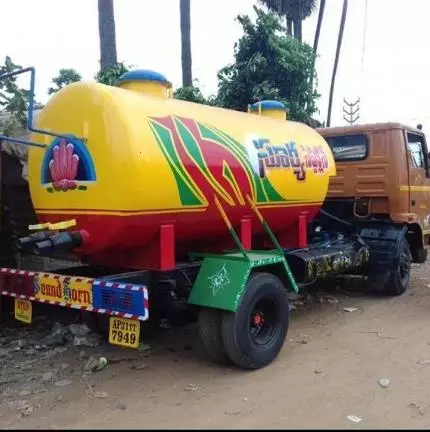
point(137, 159)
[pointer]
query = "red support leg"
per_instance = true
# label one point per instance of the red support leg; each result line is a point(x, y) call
point(302, 230)
point(167, 247)
point(246, 234)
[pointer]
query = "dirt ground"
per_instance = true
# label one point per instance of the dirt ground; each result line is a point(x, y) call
point(372, 363)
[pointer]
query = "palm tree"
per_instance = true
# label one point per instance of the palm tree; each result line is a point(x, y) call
point(107, 34)
point(294, 11)
point(336, 59)
point(185, 14)
point(317, 33)
point(319, 23)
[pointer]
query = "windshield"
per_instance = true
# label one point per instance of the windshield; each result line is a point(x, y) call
point(348, 147)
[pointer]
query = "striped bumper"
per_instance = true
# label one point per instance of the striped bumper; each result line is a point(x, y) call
point(105, 297)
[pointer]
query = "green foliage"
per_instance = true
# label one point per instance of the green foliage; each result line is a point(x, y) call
point(269, 65)
point(193, 94)
point(295, 11)
point(110, 74)
point(64, 78)
point(13, 100)
point(292, 9)
point(190, 94)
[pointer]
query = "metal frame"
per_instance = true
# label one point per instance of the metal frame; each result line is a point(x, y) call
point(30, 126)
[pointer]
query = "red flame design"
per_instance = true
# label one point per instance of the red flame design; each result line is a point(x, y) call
point(214, 155)
point(64, 166)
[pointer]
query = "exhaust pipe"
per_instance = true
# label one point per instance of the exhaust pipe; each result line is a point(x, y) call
point(61, 242)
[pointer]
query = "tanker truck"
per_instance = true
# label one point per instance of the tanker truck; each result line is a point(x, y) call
point(187, 212)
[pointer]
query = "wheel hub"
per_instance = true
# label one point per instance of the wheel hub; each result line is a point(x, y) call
point(258, 319)
point(263, 321)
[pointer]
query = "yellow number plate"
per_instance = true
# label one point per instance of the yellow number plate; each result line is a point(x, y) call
point(124, 332)
point(23, 310)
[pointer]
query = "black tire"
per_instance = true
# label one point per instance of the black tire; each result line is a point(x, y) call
point(103, 324)
point(251, 344)
point(209, 326)
point(398, 282)
point(98, 323)
point(419, 255)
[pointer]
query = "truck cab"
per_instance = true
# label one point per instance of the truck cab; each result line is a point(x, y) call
point(382, 173)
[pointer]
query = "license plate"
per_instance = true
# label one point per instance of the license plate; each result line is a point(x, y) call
point(124, 332)
point(23, 310)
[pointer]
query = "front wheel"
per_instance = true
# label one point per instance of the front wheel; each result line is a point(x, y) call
point(254, 335)
point(398, 281)
point(419, 255)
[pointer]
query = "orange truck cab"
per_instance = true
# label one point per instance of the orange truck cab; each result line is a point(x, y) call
point(382, 173)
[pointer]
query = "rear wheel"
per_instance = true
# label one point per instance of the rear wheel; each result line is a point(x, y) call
point(209, 325)
point(255, 334)
point(98, 323)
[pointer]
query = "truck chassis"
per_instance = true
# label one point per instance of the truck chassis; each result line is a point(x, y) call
point(239, 297)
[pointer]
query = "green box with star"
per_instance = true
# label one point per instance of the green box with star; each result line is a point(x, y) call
point(222, 279)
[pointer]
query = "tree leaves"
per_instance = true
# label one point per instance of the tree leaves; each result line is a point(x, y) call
point(110, 74)
point(64, 78)
point(190, 94)
point(268, 65)
point(13, 100)
point(292, 9)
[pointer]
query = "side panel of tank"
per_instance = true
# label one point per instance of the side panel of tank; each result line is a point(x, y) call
point(234, 155)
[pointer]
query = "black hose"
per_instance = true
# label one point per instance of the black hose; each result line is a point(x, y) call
point(24, 244)
point(60, 242)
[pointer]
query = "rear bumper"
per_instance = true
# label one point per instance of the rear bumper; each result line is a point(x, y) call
point(112, 297)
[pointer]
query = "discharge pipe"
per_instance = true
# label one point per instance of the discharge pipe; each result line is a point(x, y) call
point(25, 244)
point(61, 242)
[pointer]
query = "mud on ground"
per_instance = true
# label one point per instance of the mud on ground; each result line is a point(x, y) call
point(351, 360)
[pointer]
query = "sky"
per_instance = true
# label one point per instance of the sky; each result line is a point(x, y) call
point(384, 58)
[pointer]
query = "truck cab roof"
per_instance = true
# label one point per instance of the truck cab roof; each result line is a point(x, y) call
point(367, 127)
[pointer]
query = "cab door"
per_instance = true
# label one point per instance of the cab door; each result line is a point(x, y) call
point(419, 179)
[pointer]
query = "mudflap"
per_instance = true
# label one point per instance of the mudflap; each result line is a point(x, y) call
point(384, 243)
point(222, 279)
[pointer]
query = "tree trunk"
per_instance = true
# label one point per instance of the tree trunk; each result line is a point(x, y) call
point(319, 23)
point(298, 29)
point(336, 60)
point(317, 37)
point(289, 27)
point(107, 34)
point(187, 74)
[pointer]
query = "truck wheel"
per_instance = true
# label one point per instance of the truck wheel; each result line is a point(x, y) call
point(398, 281)
point(209, 325)
point(255, 334)
point(98, 323)
point(419, 255)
